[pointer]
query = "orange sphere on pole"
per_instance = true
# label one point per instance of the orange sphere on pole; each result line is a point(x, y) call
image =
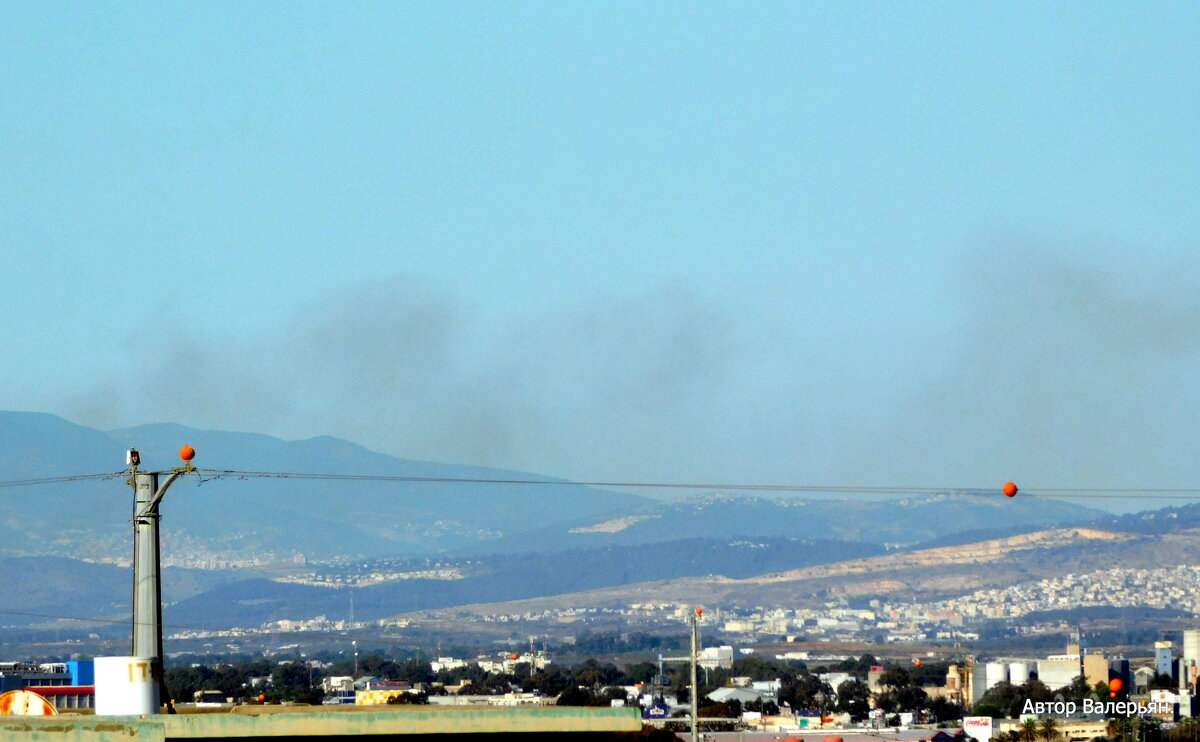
point(1010, 489)
point(187, 453)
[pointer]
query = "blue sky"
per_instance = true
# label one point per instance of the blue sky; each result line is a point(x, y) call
point(937, 244)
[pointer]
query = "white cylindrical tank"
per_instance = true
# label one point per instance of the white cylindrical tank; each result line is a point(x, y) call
point(1191, 645)
point(125, 686)
point(1018, 672)
point(995, 672)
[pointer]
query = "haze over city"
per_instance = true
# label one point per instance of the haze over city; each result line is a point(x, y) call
point(632, 370)
point(911, 245)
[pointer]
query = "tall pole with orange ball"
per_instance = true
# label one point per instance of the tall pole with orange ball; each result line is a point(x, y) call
point(696, 614)
point(148, 493)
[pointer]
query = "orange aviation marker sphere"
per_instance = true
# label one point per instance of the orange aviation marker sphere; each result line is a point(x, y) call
point(1010, 489)
point(187, 453)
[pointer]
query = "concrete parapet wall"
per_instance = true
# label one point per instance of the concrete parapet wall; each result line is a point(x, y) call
point(79, 729)
point(267, 722)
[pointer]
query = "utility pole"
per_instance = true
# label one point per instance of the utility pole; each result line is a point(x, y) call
point(148, 493)
point(695, 694)
point(532, 660)
point(1082, 665)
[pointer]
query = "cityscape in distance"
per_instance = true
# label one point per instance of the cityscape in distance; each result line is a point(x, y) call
point(942, 578)
point(789, 371)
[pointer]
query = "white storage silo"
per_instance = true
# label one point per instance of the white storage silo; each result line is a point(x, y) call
point(1018, 672)
point(1191, 646)
point(125, 686)
point(995, 673)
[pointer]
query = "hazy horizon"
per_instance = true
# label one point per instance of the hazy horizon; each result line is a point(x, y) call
point(905, 246)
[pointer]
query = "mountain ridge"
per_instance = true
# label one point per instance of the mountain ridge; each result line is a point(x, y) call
point(227, 518)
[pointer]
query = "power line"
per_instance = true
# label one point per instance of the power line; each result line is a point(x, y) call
point(1181, 493)
point(1149, 492)
point(207, 475)
point(59, 480)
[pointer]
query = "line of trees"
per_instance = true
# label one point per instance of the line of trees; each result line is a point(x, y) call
point(590, 682)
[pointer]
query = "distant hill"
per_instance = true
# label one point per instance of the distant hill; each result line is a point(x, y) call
point(1164, 520)
point(38, 590)
point(926, 574)
point(893, 522)
point(47, 587)
point(242, 518)
point(510, 577)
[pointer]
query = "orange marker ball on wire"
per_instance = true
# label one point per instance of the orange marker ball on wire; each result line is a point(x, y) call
point(1009, 489)
point(187, 453)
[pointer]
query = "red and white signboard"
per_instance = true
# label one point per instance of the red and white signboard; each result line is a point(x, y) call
point(978, 727)
point(1163, 703)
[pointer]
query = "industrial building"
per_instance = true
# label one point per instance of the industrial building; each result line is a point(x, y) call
point(66, 685)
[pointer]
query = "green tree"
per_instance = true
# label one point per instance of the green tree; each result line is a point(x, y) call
point(408, 699)
point(1079, 690)
point(913, 699)
point(1112, 729)
point(379, 666)
point(415, 670)
point(593, 674)
point(1029, 731)
point(575, 697)
point(723, 710)
point(1187, 730)
point(183, 682)
point(988, 709)
point(642, 672)
point(1048, 729)
point(801, 692)
point(895, 677)
point(290, 682)
point(861, 666)
point(768, 708)
point(1005, 695)
point(944, 710)
point(553, 680)
point(853, 698)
